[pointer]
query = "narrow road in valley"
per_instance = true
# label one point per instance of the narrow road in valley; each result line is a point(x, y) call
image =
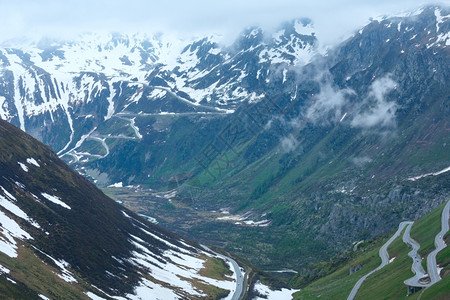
point(237, 270)
point(210, 108)
point(384, 259)
point(101, 137)
point(102, 141)
point(416, 267)
point(133, 126)
point(75, 154)
point(130, 114)
point(439, 244)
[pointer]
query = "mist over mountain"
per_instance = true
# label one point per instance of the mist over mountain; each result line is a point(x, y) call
point(269, 147)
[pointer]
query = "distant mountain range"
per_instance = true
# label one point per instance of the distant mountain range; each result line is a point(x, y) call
point(73, 87)
point(306, 152)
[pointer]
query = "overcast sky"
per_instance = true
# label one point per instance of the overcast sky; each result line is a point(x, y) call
point(333, 19)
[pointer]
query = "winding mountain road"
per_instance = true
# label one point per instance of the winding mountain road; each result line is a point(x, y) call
point(195, 104)
point(384, 259)
point(133, 126)
point(237, 270)
point(439, 244)
point(102, 141)
point(130, 114)
point(416, 266)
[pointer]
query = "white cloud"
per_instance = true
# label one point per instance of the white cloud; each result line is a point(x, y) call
point(361, 160)
point(378, 112)
point(334, 105)
point(333, 19)
point(288, 143)
point(328, 104)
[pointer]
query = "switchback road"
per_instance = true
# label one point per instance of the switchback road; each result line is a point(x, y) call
point(384, 259)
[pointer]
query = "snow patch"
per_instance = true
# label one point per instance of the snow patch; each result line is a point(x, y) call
point(23, 166)
point(94, 296)
point(10, 230)
point(243, 219)
point(151, 290)
point(10, 280)
point(4, 270)
point(32, 161)
point(262, 223)
point(65, 275)
point(150, 219)
point(429, 174)
point(267, 293)
point(10, 206)
point(440, 19)
point(307, 29)
point(4, 113)
point(116, 185)
point(55, 200)
point(177, 269)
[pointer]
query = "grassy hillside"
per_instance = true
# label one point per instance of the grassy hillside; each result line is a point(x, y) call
point(386, 283)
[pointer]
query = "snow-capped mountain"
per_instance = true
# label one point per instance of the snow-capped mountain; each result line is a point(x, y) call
point(61, 91)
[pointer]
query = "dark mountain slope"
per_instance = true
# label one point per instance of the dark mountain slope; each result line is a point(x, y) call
point(49, 211)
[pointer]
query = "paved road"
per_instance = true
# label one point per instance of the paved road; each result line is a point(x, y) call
point(210, 108)
point(133, 126)
point(237, 270)
point(384, 259)
point(439, 244)
point(129, 114)
point(416, 266)
point(102, 141)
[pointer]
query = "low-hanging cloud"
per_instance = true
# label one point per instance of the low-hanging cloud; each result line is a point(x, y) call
point(376, 110)
point(288, 143)
point(360, 160)
point(71, 17)
point(328, 104)
point(334, 105)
